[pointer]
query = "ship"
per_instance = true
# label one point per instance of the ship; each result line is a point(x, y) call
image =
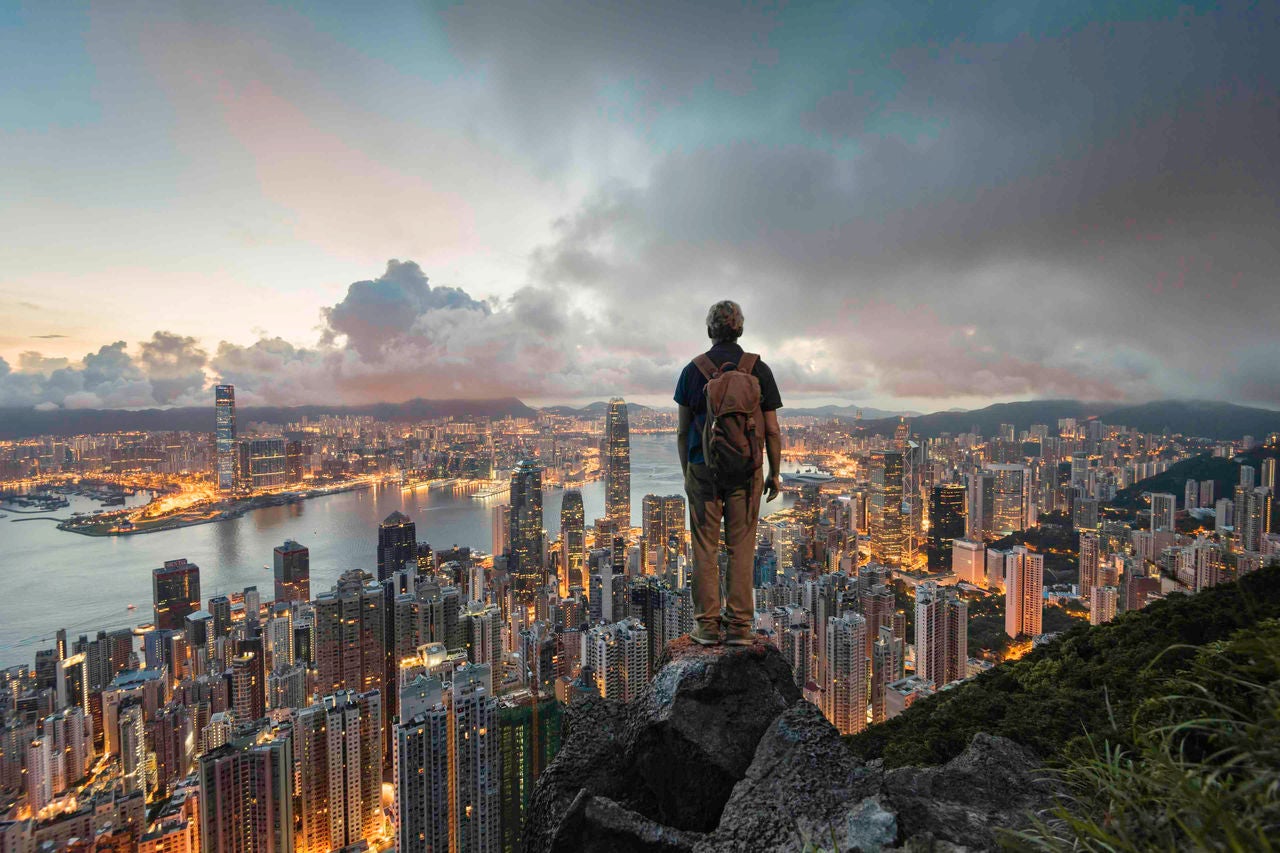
point(806, 476)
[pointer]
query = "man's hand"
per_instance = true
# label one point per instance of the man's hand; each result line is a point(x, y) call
point(771, 488)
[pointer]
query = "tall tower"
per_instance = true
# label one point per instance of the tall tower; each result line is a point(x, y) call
point(1163, 510)
point(573, 539)
point(500, 527)
point(338, 751)
point(1011, 494)
point(175, 593)
point(1024, 592)
point(888, 522)
point(525, 529)
point(946, 523)
point(246, 797)
point(292, 572)
point(617, 463)
point(350, 650)
point(397, 544)
point(224, 402)
point(942, 634)
point(844, 695)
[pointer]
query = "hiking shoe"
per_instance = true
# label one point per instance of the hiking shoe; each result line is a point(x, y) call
point(740, 637)
point(703, 637)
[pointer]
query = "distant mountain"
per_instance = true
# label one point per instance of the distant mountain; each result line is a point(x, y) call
point(1225, 473)
point(1206, 419)
point(23, 423)
point(868, 413)
point(596, 409)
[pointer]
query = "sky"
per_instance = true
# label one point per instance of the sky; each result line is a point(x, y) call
point(919, 206)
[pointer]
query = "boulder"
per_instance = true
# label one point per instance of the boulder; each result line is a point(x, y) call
point(595, 824)
point(692, 733)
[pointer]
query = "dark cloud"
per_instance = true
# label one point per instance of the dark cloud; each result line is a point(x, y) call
point(174, 364)
point(48, 337)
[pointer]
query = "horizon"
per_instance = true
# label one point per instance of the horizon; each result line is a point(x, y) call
point(918, 209)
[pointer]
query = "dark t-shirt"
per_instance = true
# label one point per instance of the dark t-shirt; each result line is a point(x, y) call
point(692, 385)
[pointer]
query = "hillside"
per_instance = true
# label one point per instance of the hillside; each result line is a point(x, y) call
point(23, 423)
point(1225, 473)
point(1206, 419)
point(1051, 698)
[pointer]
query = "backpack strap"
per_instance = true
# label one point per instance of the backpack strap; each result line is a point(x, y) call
point(706, 366)
point(748, 362)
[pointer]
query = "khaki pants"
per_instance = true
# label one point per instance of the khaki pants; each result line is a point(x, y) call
point(738, 511)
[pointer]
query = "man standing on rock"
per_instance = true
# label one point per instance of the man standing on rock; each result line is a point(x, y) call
point(729, 405)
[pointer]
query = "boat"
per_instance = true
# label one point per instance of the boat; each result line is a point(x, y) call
point(807, 476)
point(132, 607)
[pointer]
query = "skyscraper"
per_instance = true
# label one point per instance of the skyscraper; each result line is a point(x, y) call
point(1090, 562)
point(886, 509)
point(1010, 498)
point(617, 463)
point(618, 655)
point(1102, 605)
point(946, 523)
point(1163, 508)
point(1024, 592)
point(525, 531)
point(573, 539)
point(942, 634)
point(338, 753)
point(500, 525)
point(844, 694)
point(397, 544)
point(246, 797)
point(224, 399)
point(477, 806)
point(175, 592)
point(350, 652)
point(424, 768)
point(292, 572)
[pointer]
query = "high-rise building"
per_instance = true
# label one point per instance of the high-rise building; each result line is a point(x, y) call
point(618, 655)
point(246, 797)
point(397, 544)
point(942, 634)
point(524, 559)
point(224, 399)
point(500, 528)
point(888, 519)
point(968, 561)
point(1253, 516)
point(1090, 562)
point(426, 782)
point(477, 805)
point(263, 463)
point(248, 682)
point(888, 664)
point(946, 523)
point(175, 592)
point(981, 498)
point(1163, 508)
point(1024, 592)
point(1011, 506)
point(844, 688)
point(573, 541)
point(617, 463)
point(338, 755)
point(292, 572)
point(350, 625)
point(1102, 604)
point(524, 754)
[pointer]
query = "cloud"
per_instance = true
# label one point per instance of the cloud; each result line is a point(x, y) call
point(48, 337)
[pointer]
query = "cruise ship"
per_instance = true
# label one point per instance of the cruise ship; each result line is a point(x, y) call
point(807, 475)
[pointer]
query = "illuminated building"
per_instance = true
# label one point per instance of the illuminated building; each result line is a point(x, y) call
point(292, 572)
point(888, 519)
point(844, 687)
point(888, 664)
point(968, 561)
point(263, 464)
point(500, 522)
point(946, 523)
point(981, 498)
point(573, 541)
point(224, 398)
point(474, 717)
point(1253, 516)
point(520, 765)
point(1163, 508)
point(617, 463)
point(338, 754)
point(618, 655)
point(942, 634)
point(350, 651)
point(175, 593)
point(246, 797)
point(1102, 604)
point(1011, 507)
point(1024, 592)
point(524, 560)
point(397, 544)
point(425, 785)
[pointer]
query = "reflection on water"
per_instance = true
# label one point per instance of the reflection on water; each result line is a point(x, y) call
point(56, 579)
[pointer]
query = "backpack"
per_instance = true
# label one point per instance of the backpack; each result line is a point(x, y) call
point(733, 433)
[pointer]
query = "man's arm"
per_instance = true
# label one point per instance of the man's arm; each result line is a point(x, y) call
point(682, 437)
point(772, 449)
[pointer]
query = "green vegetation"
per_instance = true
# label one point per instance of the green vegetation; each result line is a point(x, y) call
point(1224, 473)
point(1058, 695)
point(987, 638)
point(1203, 771)
point(1059, 544)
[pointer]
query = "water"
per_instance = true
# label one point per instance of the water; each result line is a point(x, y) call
point(53, 579)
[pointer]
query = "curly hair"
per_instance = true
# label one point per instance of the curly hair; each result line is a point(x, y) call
point(724, 322)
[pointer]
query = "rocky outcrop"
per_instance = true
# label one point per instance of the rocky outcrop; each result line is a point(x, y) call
point(721, 754)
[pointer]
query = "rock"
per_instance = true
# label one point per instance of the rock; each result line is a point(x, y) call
point(595, 824)
point(803, 786)
point(693, 733)
point(590, 759)
point(993, 783)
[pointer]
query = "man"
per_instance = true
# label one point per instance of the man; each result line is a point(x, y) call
point(710, 505)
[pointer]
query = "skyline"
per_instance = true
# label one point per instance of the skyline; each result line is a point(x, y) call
point(932, 212)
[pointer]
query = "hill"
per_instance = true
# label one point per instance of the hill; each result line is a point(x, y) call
point(593, 410)
point(1049, 700)
point(1225, 473)
point(23, 423)
point(1207, 419)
